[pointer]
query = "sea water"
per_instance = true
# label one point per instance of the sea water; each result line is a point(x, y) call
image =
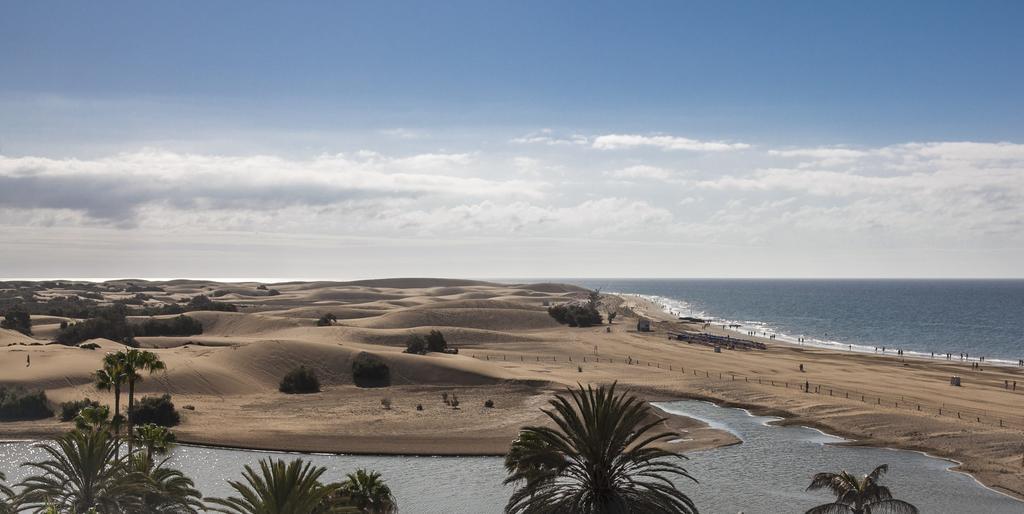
point(981, 318)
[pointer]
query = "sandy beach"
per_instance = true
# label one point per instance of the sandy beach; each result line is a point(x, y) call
point(513, 353)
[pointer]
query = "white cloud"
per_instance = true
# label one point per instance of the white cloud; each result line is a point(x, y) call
point(915, 198)
point(820, 153)
point(548, 137)
point(112, 188)
point(626, 141)
point(641, 171)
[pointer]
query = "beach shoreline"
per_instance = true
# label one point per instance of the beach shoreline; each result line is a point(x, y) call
point(513, 353)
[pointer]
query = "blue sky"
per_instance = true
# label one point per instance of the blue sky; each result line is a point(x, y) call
point(447, 101)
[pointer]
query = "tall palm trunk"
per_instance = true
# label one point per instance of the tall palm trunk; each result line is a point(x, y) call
point(116, 425)
point(131, 404)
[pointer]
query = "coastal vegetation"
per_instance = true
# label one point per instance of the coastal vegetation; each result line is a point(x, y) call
point(158, 410)
point(432, 342)
point(367, 491)
point(602, 457)
point(109, 323)
point(326, 320)
point(858, 495)
point(17, 404)
point(370, 371)
point(179, 326)
point(282, 488)
point(579, 313)
point(301, 380)
point(17, 319)
point(69, 410)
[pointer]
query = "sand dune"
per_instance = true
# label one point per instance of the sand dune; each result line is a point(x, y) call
point(511, 352)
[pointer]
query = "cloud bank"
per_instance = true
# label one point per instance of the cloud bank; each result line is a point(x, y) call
point(917, 198)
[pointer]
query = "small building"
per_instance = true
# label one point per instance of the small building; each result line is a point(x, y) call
point(643, 325)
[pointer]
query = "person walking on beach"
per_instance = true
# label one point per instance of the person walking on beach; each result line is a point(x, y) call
point(28, 360)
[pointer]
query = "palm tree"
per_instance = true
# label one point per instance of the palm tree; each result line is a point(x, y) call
point(858, 495)
point(112, 376)
point(93, 418)
point(369, 493)
point(600, 459)
point(279, 488)
point(6, 497)
point(166, 490)
point(155, 438)
point(133, 361)
point(82, 472)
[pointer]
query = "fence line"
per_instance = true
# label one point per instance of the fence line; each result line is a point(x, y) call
point(806, 387)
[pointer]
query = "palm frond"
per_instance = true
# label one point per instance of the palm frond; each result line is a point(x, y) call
point(599, 458)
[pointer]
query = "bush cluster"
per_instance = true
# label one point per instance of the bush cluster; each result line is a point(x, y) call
point(370, 371)
point(576, 314)
point(109, 323)
point(300, 380)
point(433, 342)
point(416, 345)
point(326, 320)
point(17, 404)
point(17, 318)
point(179, 326)
point(68, 410)
point(204, 303)
point(158, 410)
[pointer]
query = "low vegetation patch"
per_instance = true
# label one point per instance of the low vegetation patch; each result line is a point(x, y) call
point(109, 323)
point(89, 346)
point(579, 313)
point(300, 380)
point(370, 371)
point(179, 326)
point(575, 314)
point(17, 319)
point(204, 303)
point(68, 410)
point(416, 345)
point(158, 410)
point(326, 320)
point(18, 404)
point(433, 342)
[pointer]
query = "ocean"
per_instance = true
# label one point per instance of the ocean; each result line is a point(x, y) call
point(982, 318)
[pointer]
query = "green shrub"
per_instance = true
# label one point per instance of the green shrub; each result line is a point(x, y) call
point(89, 346)
point(300, 380)
point(18, 319)
point(17, 404)
point(68, 410)
point(179, 326)
point(435, 341)
point(158, 410)
point(369, 371)
point(416, 345)
point(204, 303)
point(489, 404)
point(326, 320)
point(576, 314)
point(109, 323)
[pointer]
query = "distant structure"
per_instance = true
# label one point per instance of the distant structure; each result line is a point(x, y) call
point(643, 325)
